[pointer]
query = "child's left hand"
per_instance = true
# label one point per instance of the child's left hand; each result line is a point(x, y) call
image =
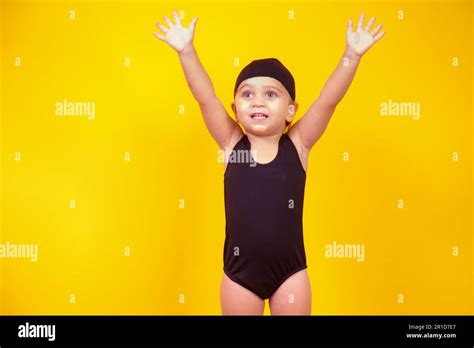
point(358, 42)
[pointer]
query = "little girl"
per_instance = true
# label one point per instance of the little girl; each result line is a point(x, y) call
point(264, 255)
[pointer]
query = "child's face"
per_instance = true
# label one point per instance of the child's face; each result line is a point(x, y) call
point(267, 96)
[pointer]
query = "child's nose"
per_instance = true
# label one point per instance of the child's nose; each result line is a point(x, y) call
point(258, 101)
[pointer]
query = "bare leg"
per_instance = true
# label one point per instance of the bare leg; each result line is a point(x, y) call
point(293, 297)
point(237, 300)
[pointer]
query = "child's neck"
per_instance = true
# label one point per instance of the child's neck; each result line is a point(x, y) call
point(264, 140)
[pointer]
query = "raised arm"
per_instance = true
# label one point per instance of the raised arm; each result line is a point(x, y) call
point(221, 126)
point(314, 122)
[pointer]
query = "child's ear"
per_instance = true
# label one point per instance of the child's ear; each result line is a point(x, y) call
point(292, 111)
point(295, 104)
point(232, 105)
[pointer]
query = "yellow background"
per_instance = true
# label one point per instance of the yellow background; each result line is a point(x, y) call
point(179, 251)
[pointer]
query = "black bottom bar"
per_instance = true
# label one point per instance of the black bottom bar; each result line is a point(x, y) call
point(139, 330)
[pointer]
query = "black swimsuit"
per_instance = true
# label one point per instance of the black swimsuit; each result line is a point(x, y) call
point(264, 207)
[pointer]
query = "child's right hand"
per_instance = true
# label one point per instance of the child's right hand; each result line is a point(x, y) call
point(178, 37)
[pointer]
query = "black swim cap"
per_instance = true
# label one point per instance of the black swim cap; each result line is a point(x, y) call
point(270, 67)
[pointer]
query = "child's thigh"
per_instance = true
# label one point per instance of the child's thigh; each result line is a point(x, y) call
point(237, 300)
point(293, 297)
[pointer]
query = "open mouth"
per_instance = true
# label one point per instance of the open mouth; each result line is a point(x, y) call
point(259, 116)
